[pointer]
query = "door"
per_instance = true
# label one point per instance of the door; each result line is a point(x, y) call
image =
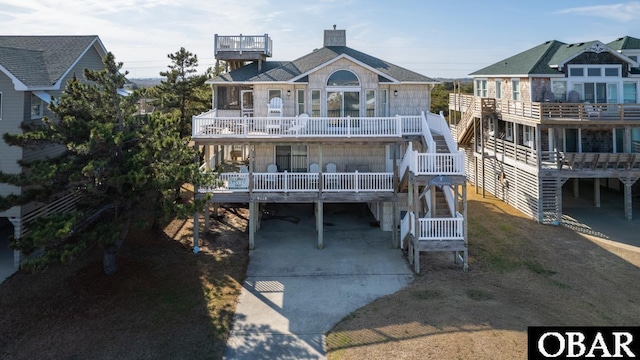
point(247, 102)
point(292, 158)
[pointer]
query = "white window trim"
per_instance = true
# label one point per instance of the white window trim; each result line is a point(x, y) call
point(40, 106)
point(384, 97)
point(375, 102)
point(319, 101)
point(300, 101)
point(514, 92)
point(270, 90)
point(499, 83)
point(481, 91)
point(508, 132)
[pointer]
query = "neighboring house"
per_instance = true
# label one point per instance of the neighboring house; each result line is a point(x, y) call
point(554, 113)
point(33, 70)
point(334, 126)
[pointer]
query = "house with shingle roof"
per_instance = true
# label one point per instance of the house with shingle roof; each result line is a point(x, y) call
point(334, 126)
point(552, 120)
point(33, 71)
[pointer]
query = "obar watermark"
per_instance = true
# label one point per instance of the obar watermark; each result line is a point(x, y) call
point(583, 342)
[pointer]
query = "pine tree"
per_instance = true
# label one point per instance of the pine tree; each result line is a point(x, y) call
point(183, 92)
point(116, 162)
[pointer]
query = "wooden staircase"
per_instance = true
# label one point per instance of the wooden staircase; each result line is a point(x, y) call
point(464, 129)
point(441, 144)
point(441, 208)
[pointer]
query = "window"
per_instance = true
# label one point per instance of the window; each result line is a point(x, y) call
point(371, 103)
point(594, 72)
point(384, 100)
point(508, 131)
point(481, 88)
point(610, 71)
point(527, 136)
point(343, 78)
point(559, 89)
point(315, 103)
point(343, 94)
point(630, 93)
point(291, 158)
point(576, 71)
point(498, 89)
point(300, 101)
point(515, 88)
point(275, 93)
point(36, 106)
point(228, 98)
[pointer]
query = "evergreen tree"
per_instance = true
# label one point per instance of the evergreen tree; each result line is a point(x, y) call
point(120, 165)
point(183, 92)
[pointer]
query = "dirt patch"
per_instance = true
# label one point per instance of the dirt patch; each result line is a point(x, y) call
point(164, 303)
point(521, 274)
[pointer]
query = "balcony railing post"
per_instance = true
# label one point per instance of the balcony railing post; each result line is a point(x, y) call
point(357, 182)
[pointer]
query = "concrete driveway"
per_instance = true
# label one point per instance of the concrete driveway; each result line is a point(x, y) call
point(294, 293)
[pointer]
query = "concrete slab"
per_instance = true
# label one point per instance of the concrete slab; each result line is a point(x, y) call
point(606, 222)
point(294, 293)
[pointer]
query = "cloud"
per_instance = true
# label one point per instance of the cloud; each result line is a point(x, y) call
point(623, 12)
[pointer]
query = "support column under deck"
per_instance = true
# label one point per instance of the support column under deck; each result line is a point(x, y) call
point(252, 225)
point(596, 192)
point(320, 224)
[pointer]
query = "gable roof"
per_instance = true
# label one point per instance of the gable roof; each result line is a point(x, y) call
point(297, 70)
point(544, 59)
point(625, 43)
point(41, 62)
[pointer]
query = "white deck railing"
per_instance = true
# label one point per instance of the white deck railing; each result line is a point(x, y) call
point(303, 182)
point(240, 43)
point(441, 228)
point(208, 126)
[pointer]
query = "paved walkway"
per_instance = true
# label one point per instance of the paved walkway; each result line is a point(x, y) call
point(294, 293)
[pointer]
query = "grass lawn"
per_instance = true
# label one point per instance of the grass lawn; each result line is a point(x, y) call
point(521, 274)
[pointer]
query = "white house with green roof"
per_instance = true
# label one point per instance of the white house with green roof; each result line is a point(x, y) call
point(33, 70)
point(554, 113)
point(335, 125)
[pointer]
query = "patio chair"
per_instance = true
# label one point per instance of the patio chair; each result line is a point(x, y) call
point(590, 110)
point(274, 110)
point(272, 177)
point(299, 125)
point(332, 178)
point(314, 170)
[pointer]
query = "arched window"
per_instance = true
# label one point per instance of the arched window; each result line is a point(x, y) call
point(343, 94)
point(343, 78)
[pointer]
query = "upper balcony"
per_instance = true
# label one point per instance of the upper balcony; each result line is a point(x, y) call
point(208, 126)
point(551, 113)
point(242, 47)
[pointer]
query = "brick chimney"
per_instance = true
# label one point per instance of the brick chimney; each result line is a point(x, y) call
point(335, 37)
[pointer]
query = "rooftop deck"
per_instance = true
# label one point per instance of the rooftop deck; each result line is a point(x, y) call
point(550, 113)
point(252, 46)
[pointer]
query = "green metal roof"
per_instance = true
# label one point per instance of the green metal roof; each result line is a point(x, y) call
point(545, 58)
point(625, 43)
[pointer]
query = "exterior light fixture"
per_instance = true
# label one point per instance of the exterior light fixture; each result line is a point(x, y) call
point(288, 93)
point(395, 92)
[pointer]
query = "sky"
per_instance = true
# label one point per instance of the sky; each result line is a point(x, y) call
point(442, 38)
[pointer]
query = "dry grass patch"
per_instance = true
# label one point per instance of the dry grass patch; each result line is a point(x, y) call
point(164, 303)
point(521, 274)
